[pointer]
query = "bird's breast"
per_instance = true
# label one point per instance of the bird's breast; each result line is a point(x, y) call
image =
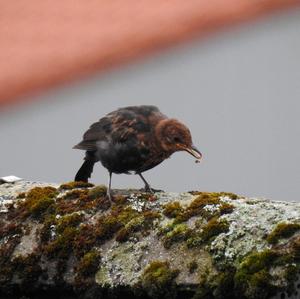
point(129, 156)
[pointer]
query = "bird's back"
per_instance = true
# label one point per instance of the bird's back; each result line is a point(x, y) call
point(124, 140)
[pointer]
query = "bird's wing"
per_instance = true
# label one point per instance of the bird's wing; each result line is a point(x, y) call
point(128, 124)
point(98, 131)
point(121, 125)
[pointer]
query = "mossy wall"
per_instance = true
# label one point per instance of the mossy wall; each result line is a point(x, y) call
point(70, 239)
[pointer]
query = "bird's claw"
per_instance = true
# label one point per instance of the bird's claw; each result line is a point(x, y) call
point(148, 189)
point(108, 195)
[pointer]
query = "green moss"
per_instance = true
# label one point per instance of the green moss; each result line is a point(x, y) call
point(172, 209)
point(21, 195)
point(151, 215)
point(98, 191)
point(217, 286)
point(89, 264)
point(230, 195)
point(213, 228)
point(72, 220)
point(122, 221)
point(120, 199)
point(39, 201)
point(158, 279)
point(76, 194)
point(81, 240)
point(258, 260)
point(132, 226)
point(61, 247)
point(108, 225)
point(45, 231)
point(64, 206)
point(84, 195)
point(85, 239)
point(204, 290)
point(82, 199)
point(282, 230)
point(224, 285)
point(11, 228)
point(125, 221)
point(27, 269)
point(204, 199)
point(291, 276)
point(38, 193)
point(59, 224)
point(296, 250)
point(6, 267)
point(260, 285)
point(198, 207)
point(226, 208)
point(141, 223)
point(217, 194)
point(40, 207)
point(283, 260)
point(74, 185)
point(192, 267)
point(179, 232)
point(252, 277)
point(146, 196)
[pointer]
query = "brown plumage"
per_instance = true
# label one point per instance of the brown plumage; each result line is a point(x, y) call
point(133, 139)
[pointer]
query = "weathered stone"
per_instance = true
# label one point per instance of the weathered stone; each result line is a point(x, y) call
point(211, 245)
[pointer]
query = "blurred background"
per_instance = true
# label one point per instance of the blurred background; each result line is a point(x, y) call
point(236, 84)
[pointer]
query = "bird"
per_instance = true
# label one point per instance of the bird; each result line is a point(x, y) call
point(132, 140)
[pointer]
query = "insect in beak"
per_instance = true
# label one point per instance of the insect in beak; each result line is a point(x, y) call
point(194, 152)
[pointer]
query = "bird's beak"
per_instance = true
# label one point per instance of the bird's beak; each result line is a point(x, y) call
point(194, 152)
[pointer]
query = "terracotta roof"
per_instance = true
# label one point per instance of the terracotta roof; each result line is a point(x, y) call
point(44, 43)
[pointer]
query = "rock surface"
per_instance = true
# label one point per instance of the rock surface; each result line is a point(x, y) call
point(68, 240)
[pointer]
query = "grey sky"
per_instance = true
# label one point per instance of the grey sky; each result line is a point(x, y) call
point(238, 92)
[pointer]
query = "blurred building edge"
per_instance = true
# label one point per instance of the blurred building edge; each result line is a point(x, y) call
point(44, 44)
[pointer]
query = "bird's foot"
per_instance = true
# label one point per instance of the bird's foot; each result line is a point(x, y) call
point(148, 189)
point(109, 196)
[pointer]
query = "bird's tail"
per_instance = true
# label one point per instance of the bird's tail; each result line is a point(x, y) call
point(85, 171)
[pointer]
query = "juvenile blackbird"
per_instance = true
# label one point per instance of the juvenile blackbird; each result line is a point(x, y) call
point(133, 140)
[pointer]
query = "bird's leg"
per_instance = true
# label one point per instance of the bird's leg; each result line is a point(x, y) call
point(109, 187)
point(147, 186)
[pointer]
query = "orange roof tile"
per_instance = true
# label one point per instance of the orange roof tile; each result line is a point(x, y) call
point(44, 43)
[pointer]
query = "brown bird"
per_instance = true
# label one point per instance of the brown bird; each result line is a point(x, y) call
point(133, 140)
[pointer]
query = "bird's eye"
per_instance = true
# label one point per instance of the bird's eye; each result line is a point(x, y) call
point(177, 139)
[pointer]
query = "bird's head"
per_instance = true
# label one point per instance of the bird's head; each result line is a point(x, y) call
point(175, 136)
